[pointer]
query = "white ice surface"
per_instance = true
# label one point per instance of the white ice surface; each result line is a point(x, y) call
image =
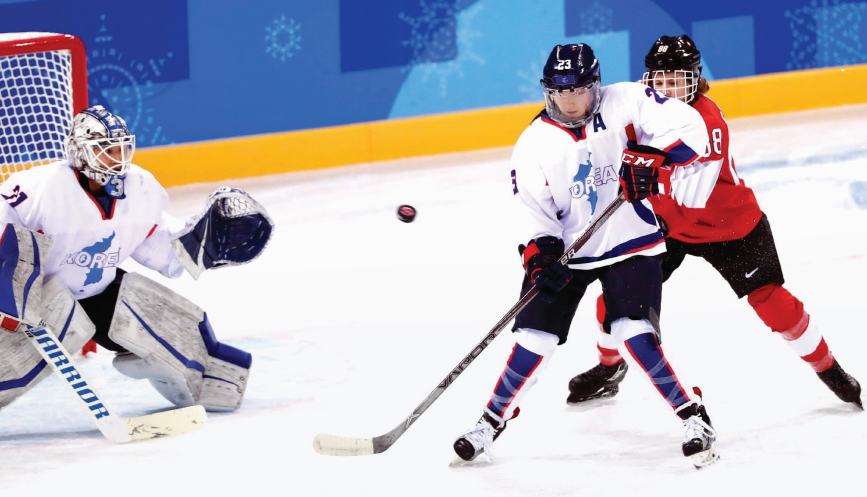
point(353, 317)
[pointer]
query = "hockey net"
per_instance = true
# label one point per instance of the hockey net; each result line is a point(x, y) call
point(43, 84)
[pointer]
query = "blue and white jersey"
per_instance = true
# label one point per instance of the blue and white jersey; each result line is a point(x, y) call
point(91, 240)
point(568, 176)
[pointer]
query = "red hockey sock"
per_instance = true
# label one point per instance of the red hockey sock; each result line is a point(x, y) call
point(608, 353)
point(778, 308)
point(609, 357)
point(89, 347)
point(785, 314)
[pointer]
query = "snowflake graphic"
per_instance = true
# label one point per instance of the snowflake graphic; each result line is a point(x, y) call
point(826, 34)
point(597, 19)
point(434, 52)
point(283, 38)
point(531, 87)
point(431, 38)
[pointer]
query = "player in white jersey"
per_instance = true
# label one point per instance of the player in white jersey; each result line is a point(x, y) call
point(569, 164)
point(730, 232)
point(98, 209)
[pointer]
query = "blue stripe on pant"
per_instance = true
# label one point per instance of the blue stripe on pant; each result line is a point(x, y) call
point(518, 370)
point(648, 354)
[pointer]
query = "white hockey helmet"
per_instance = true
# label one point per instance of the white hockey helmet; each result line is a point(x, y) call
point(100, 145)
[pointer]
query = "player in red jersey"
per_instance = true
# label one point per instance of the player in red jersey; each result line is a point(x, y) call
point(730, 231)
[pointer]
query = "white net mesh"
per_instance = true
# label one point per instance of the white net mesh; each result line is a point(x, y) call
point(36, 109)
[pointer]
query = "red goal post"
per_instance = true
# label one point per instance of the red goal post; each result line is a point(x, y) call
point(43, 84)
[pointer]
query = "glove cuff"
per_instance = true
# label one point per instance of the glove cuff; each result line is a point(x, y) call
point(549, 247)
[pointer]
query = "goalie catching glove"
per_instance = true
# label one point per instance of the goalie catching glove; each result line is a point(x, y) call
point(540, 262)
point(233, 229)
point(639, 172)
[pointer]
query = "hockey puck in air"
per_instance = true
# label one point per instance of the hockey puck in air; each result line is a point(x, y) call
point(406, 213)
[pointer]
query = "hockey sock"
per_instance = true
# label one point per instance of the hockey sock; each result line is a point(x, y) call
point(639, 341)
point(785, 314)
point(607, 345)
point(529, 357)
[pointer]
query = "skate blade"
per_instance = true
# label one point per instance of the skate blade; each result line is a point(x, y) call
point(605, 393)
point(705, 458)
point(480, 460)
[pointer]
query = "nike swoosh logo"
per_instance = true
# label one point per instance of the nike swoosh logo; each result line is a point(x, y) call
point(752, 272)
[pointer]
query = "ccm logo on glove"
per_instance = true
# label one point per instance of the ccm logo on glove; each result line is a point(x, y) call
point(644, 159)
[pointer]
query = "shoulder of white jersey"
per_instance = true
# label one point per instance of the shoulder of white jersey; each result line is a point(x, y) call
point(139, 176)
point(545, 129)
point(137, 171)
point(543, 139)
point(623, 90)
point(40, 176)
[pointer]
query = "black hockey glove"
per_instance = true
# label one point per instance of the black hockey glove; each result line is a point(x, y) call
point(540, 262)
point(639, 172)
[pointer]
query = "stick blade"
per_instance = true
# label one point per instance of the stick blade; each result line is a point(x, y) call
point(163, 424)
point(331, 445)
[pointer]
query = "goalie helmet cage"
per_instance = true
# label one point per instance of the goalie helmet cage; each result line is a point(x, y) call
point(43, 84)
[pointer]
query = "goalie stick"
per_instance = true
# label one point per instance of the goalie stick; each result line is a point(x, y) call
point(333, 445)
point(115, 428)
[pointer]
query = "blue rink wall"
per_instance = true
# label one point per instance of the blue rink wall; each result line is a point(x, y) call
point(204, 70)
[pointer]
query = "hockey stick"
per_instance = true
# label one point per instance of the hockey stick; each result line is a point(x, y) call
point(115, 428)
point(345, 446)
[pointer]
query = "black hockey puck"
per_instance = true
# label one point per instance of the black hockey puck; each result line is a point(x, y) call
point(406, 213)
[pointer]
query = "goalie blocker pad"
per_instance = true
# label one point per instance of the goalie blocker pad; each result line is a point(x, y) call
point(21, 365)
point(23, 254)
point(233, 229)
point(172, 345)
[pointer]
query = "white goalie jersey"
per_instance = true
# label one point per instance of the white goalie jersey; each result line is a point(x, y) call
point(93, 237)
point(568, 176)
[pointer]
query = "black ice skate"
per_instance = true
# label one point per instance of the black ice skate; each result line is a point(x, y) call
point(844, 386)
point(698, 441)
point(480, 438)
point(599, 382)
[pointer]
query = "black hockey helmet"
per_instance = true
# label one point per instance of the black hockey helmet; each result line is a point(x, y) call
point(674, 67)
point(571, 70)
point(671, 53)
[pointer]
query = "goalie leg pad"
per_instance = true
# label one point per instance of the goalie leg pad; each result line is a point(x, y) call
point(171, 345)
point(23, 254)
point(21, 366)
point(157, 326)
point(226, 373)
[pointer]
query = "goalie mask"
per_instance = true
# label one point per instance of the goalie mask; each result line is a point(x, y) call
point(673, 67)
point(571, 83)
point(101, 147)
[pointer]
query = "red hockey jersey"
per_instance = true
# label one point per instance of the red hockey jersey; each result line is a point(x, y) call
point(731, 211)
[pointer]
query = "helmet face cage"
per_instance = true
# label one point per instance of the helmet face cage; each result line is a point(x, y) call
point(553, 109)
point(679, 83)
point(572, 72)
point(100, 145)
point(673, 64)
point(108, 157)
